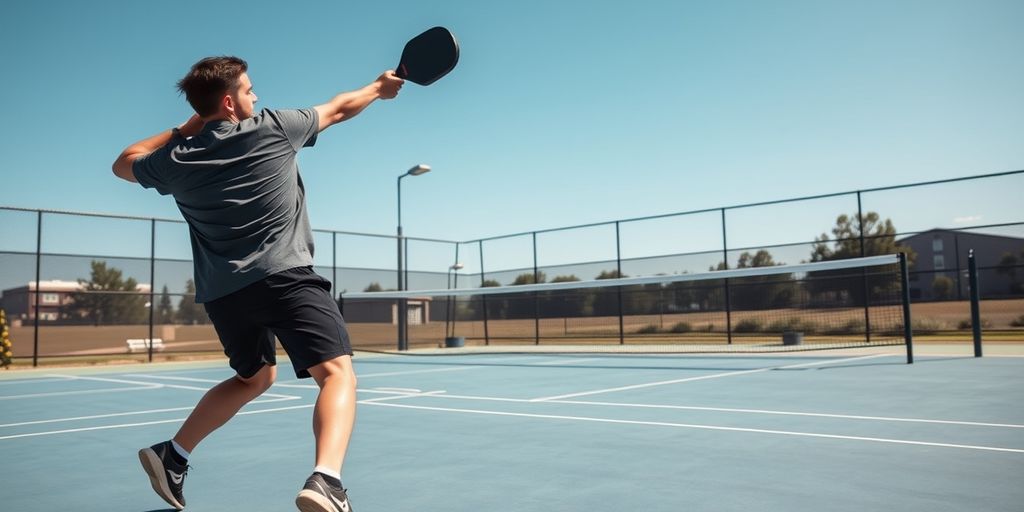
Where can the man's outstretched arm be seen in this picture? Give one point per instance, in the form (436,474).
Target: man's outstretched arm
(349,104)
(123,165)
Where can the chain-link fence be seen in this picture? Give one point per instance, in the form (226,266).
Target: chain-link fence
(83,284)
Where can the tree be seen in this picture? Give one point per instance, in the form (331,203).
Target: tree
(6,353)
(942,287)
(1008,266)
(847,287)
(164,309)
(524,305)
(606,300)
(189,313)
(373,287)
(108,298)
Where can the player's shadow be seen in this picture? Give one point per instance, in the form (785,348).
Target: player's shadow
(162,510)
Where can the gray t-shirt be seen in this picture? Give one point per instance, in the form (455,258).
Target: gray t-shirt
(239,189)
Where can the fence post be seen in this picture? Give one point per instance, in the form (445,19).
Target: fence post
(908,330)
(483,298)
(972,267)
(39,263)
(618,289)
(725,266)
(864,272)
(152,281)
(536,295)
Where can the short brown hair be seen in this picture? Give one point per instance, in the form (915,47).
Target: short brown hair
(208,81)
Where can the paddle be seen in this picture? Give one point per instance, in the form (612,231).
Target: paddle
(428,56)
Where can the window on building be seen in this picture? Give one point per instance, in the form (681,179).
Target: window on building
(939,262)
(50,298)
(936,244)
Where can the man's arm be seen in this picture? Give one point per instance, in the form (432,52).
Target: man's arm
(123,165)
(349,104)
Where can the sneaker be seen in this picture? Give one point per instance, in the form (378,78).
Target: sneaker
(166,475)
(318,496)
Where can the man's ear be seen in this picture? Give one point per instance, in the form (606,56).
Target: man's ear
(228,104)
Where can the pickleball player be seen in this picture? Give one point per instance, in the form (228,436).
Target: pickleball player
(232,172)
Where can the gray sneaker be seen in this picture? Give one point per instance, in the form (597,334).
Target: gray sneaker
(166,476)
(319,496)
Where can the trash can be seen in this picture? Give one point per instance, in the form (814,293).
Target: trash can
(792,338)
(454,341)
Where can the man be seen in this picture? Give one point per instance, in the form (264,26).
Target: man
(234,177)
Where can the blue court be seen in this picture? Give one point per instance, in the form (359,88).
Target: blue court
(534,432)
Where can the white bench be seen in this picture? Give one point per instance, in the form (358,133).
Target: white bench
(142,345)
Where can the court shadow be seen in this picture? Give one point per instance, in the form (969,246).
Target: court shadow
(898,362)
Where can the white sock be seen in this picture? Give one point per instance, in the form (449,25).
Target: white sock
(181,451)
(326,471)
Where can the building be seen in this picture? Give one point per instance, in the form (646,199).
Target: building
(385,310)
(56,300)
(940,268)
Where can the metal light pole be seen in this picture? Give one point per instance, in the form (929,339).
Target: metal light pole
(403,309)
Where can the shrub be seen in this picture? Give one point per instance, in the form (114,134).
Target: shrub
(966,324)
(748,325)
(1018,322)
(681,327)
(927,325)
(648,329)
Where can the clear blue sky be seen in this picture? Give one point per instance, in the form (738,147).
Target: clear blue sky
(559,113)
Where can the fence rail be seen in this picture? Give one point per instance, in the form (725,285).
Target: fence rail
(938,222)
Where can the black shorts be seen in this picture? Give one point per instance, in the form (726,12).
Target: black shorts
(295,306)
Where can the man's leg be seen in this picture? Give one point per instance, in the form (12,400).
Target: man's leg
(335,411)
(166,468)
(333,418)
(221,403)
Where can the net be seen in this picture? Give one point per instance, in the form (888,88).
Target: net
(835,304)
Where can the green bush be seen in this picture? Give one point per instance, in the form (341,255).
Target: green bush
(682,327)
(648,329)
(966,324)
(927,325)
(1018,322)
(748,325)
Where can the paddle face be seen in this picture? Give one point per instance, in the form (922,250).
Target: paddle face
(428,56)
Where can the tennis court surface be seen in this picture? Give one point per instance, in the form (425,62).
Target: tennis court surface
(839,430)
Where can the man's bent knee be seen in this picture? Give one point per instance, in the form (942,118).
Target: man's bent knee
(340,367)
(262,380)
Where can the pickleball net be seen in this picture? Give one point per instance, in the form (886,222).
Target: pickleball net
(834,304)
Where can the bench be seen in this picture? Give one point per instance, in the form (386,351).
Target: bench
(142,345)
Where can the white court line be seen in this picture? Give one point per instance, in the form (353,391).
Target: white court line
(193,379)
(131,382)
(131,413)
(83,392)
(786,413)
(143,424)
(157,422)
(704,377)
(567,361)
(401,396)
(410,372)
(733,410)
(701,427)
(31,381)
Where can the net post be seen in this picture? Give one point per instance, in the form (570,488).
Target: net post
(908,332)
(972,267)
